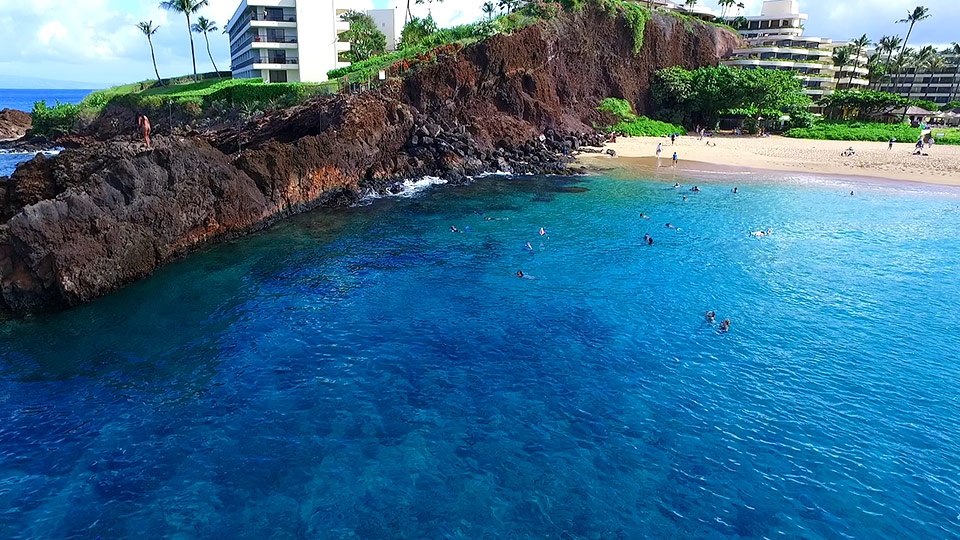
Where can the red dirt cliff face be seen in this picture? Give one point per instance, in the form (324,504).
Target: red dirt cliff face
(82,224)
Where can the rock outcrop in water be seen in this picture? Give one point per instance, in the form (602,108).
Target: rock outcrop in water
(14,124)
(84,223)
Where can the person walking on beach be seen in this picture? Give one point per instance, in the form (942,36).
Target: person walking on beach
(659,149)
(675,159)
(890,144)
(144,124)
(673,138)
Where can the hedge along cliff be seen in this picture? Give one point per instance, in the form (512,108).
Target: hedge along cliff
(82,224)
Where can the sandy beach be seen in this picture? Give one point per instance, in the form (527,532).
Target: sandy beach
(872,159)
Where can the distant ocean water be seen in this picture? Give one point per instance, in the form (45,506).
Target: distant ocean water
(23,100)
(367,373)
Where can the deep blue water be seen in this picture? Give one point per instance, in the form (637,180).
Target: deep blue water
(369,373)
(23,100)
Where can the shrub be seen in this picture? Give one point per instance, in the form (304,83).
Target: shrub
(800,119)
(54,121)
(855,131)
(641,126)
(946,136)
(619,109)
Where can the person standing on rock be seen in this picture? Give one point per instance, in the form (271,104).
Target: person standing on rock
(144,124)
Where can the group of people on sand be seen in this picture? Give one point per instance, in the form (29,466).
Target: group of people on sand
(660,150)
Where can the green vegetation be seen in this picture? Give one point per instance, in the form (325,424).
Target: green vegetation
(623,120)
(704,94)
(949,136)
(193,99)
(54,121)
(366,40)
(856,131)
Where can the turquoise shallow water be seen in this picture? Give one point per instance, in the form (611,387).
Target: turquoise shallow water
(369,373)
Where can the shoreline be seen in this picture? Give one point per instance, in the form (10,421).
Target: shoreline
(873,160)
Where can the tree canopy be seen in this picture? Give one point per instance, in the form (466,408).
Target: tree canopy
(366,40)
(417,30)
(703,94)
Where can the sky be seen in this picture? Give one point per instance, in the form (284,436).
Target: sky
(95,43)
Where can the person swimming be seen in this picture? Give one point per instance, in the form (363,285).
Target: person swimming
(453,228)
(711,316)
(695,189)
(529,246)
(676,186)
(644,216)
(758,234)
(735,190)
(649,240)
(542,231)
(520,273)
(725,325)
(671,226)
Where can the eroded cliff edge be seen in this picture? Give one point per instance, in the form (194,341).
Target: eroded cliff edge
(93,219)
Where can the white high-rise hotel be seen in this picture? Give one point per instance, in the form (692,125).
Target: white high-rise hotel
(775,40)
(293,40)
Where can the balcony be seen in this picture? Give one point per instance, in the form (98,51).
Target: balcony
(274,39)
(273,17)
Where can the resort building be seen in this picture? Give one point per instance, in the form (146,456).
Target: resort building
(775,41)
(940,87)
(286,40)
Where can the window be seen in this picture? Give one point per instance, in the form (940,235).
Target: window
(278,76)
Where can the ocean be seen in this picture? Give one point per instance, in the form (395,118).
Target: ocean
(23,100)
(369,373)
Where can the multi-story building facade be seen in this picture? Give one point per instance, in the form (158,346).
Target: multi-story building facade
(940,87)
(775,41)
(286,40)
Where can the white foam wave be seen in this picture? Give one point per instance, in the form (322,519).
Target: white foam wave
(407,188)
(51,152)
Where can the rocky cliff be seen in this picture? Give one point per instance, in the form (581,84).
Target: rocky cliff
(14,124)
(82,224)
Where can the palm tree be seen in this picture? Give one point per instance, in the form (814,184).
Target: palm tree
(888,44)
(149,30)
(875,70)
(203,26)
(724,6)
(690,4)
(900,63)
(841,58)
(920,62)
(933,64)
(918,14)
(488,9)
(858,44)
(187,7)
